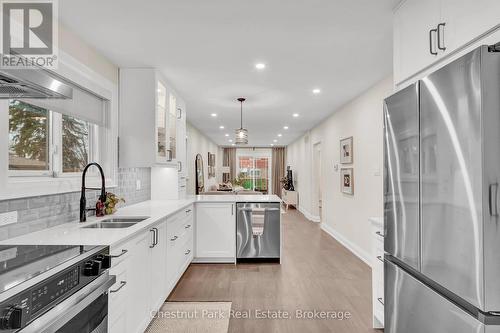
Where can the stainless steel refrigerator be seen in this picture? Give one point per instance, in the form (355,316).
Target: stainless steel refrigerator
(441,200)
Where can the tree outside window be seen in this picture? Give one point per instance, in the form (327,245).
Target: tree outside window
(30,131)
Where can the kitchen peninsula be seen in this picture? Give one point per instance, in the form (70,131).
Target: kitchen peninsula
(149,257)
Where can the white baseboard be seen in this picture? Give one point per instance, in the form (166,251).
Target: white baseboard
(308,215)
(356,250)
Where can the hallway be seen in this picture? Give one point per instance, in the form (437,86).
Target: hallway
(317,273)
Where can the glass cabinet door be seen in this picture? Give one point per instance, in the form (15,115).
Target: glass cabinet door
(172,128)
(161,121)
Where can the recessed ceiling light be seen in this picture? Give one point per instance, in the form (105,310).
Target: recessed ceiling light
(232,144)
(260,66)
(275,140)
(230,140)
(280,135)
(295,115)
(316,91)
(285,127)
(214,114)
(226,134)
(221,127)
(272,144)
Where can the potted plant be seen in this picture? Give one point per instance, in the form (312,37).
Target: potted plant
(112,200)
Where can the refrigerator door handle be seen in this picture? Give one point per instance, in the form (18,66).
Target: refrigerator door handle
(493,199)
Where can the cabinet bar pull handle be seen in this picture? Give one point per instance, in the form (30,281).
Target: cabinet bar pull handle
(188,211)
(380,300)
(431,44)
(380,258)
(188,226)
(187,252)
(440,25)
(179,113)
(174,238)
(179,166)
(122,284)
(154,238)
(380,234)
(119,255)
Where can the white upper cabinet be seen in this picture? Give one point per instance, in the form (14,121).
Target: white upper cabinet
(413,25)
(181,137)
(148,119)
(467,20)
(429,33)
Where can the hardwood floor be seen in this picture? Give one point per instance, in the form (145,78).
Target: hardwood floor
(317,273)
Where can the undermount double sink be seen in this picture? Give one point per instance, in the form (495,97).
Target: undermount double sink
(117,223)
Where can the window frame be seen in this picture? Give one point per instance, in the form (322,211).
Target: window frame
(34,173)
(35,184)
(55,151)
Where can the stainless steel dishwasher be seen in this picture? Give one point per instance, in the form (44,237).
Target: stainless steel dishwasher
(258,231)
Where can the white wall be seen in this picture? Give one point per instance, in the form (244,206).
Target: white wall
(346,216)
(74,46)
(198,143)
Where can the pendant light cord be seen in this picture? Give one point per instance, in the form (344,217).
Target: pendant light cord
(241,115)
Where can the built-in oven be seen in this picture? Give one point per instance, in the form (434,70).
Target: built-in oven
(86,311)
(72,296)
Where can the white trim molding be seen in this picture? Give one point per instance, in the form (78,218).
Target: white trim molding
(356,250)
(83,76)
(308,215)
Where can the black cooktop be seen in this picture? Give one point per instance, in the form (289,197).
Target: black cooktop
(19,263)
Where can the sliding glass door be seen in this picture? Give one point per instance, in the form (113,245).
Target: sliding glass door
(255,172)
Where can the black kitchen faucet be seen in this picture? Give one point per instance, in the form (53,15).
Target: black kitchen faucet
(102,197)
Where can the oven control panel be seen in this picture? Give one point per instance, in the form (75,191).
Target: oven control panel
(19,310)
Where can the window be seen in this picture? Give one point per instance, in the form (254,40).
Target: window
(28,137)
(75,144)
(47,143)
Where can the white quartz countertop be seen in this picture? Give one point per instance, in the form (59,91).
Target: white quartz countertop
(74,233)
(377,220)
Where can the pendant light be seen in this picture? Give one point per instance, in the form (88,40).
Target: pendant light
(241,133)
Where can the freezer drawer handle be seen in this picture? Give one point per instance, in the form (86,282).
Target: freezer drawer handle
(380,258)
(380,300)
(493,200)
(380,234)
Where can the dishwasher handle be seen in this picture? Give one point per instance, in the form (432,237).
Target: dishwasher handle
(259,209)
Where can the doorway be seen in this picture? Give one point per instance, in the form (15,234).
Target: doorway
(317,196)
(254,169)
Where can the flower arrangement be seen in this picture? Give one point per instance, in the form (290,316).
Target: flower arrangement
(112,200)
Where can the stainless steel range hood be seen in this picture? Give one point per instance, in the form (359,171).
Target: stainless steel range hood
(32,83)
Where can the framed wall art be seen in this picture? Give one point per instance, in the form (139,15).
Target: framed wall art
(346,151)
(347,180)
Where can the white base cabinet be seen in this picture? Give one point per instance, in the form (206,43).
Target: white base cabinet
(139,274)
(377,228)
(147,267)
(180,246)
(215,232)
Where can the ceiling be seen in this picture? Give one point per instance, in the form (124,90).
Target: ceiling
(208,51)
